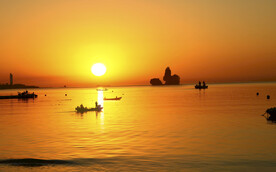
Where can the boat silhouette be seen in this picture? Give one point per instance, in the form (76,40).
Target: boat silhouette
(20,95)
(201,87)
(82,109)
(270,114)
(115,98)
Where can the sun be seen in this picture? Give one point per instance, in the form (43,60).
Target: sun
(98,69)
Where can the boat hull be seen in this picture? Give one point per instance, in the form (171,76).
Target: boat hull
(201,87)
(271,114)
(117,98)
(28,96)
(81,110)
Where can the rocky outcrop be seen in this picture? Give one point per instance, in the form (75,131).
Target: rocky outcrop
(168,78)
(155,81)
(167,75)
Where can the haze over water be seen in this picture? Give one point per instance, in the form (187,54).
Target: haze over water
(170,128)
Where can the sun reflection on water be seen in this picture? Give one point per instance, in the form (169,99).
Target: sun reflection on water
(100,98)
(101,102)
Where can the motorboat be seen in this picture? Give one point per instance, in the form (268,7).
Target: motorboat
(115,98)
(101,89)
(270,114)
(82,109)
(201,86)
(20,95)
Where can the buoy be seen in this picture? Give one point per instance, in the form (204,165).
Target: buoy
(268,96)
(45,95)
(257,93)
(65,94)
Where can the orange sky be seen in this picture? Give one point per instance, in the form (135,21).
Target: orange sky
(55,42)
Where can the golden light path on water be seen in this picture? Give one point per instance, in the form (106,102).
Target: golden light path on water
(101,102)
(100,98)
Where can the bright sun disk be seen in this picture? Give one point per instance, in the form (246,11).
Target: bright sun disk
(98,69)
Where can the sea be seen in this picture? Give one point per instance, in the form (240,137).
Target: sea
(152,128)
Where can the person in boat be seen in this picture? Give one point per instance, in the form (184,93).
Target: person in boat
(96,104)
(99,107)
(81,106)
(199,83)
(24,93)
(204,84)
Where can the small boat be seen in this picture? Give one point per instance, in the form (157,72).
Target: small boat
(20,95)
(82,109)
(101,89)
(201,86)
(270,114)
(115,98)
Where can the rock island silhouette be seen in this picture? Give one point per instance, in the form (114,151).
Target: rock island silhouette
(168,78)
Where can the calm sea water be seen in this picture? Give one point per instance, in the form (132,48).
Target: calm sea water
(174,128)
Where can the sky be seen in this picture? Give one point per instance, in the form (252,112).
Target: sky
(51,43)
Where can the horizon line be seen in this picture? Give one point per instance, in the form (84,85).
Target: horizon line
(211,83)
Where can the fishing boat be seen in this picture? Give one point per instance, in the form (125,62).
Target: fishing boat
(20,95)
(101,89)
(201,86)
(115,98)
(82,109)
(270,114)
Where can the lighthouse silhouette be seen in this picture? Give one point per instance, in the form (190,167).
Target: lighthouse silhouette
(11,79)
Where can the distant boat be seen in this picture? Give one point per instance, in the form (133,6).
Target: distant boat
(82,109)
(101,89)
(20,95)
(115,98)
(270,114)
(201,87)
